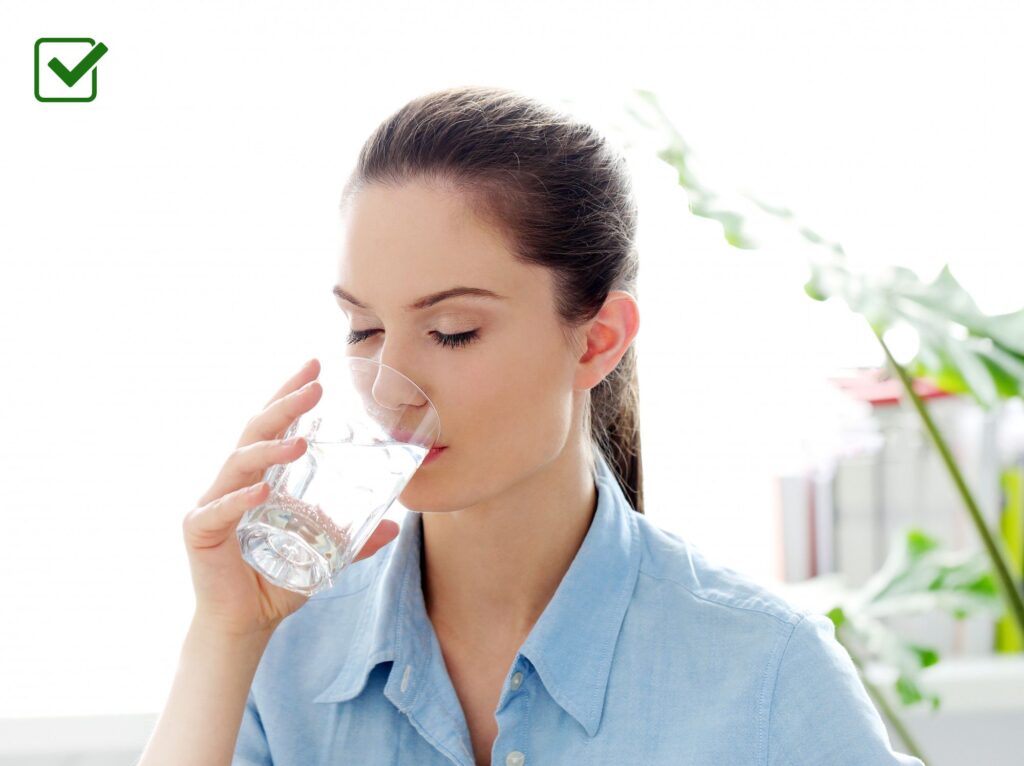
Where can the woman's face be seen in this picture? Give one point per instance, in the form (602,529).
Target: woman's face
(505,390)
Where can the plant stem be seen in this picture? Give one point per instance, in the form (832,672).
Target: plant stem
(883,704)
(1009,588)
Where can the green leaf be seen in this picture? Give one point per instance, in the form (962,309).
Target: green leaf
(926,655)
(942,311)
(974,372)
(1006,369)
(919,542)
(921,576)
(734,213)
(812,290)
(985,584)
(1007,330)
(908,691)
(836,615)
(945,294)
(975,364)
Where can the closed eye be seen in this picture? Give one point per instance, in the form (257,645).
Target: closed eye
(451,341)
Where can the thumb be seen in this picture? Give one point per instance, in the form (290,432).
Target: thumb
(385,532)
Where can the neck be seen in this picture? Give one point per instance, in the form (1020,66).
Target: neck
(489,571)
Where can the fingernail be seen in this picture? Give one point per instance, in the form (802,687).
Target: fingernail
(291,442)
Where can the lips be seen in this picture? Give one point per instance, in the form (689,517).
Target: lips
(433,454)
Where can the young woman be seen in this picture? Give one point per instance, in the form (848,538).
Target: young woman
(527,612)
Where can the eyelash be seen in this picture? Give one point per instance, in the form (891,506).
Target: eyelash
(451,341)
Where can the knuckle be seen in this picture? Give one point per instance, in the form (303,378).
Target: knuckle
(241,454)
(252,422)
(257,424)
(265,430)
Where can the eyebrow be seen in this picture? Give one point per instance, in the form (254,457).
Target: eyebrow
(427,300)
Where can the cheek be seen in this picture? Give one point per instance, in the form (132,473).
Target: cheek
(515,396)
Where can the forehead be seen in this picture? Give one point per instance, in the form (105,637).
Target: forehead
(402,242)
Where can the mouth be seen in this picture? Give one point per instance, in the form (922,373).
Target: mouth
(433,454)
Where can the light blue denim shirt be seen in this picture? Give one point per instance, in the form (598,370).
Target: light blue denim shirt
(647,655)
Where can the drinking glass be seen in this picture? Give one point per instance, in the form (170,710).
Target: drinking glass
(367,436)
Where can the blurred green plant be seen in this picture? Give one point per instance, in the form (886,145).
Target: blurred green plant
(918,576)
(961,350)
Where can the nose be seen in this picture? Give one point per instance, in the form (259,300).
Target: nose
(395,388)
(391,391)
(413,409)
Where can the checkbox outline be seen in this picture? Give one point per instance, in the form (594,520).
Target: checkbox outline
(42,40)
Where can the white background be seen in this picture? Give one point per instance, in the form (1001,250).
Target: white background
(168,251)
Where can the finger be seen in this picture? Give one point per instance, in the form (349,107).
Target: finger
(385,532)
(308,372)
(211,524)
(273,421)
(247,464)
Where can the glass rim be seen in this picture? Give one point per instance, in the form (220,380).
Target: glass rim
(348,361)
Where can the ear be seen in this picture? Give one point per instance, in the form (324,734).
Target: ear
(608,336)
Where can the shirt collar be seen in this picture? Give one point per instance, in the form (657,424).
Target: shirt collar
(571,645)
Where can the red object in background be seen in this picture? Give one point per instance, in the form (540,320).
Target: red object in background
(871,385)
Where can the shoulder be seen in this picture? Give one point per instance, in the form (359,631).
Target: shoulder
(748,643)
(713,626)
(707,642)
(676,565)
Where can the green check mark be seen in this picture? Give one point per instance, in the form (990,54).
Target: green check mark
(71,76)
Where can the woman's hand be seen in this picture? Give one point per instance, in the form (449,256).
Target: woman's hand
(231,596)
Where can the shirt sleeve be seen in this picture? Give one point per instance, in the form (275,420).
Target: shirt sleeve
(251,747)
(820,711)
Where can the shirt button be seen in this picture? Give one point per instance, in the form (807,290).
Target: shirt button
(405,678)
(517,680)
(515,758)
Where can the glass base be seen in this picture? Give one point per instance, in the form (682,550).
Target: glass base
(284,559)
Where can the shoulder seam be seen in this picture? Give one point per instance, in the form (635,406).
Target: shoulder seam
(766,733)
(719,602)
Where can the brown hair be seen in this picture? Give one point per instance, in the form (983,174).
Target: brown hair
(563,199)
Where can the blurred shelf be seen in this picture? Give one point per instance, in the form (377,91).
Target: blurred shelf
(963,684)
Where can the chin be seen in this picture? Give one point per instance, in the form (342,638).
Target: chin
(425,494)
(437,492)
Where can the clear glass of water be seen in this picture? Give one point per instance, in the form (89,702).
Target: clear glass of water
(367,436)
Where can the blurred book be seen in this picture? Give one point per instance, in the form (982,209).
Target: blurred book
(795,526)
(889,477)
(804,504)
